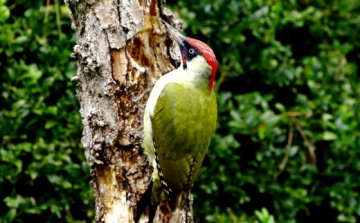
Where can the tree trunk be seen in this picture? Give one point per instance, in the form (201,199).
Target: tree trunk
(118,41)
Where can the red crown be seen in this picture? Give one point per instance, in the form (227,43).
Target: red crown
(209,56)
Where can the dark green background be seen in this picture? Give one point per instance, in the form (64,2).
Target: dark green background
(287,70)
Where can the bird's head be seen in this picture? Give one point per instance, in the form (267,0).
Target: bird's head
(197,57)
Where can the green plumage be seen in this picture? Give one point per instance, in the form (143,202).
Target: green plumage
(183,123)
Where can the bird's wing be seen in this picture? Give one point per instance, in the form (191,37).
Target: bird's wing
(183,123)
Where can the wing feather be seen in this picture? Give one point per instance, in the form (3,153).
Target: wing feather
(183,123)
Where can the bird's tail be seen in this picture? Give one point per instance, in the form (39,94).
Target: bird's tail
(144,202)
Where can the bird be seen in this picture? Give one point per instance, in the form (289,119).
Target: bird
(180,119)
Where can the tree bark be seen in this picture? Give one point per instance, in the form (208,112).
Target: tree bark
(118,41)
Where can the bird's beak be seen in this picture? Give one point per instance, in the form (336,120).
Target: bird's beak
(175,34)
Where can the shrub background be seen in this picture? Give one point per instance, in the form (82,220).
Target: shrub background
(287,145)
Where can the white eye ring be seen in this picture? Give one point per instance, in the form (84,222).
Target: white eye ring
(191,51)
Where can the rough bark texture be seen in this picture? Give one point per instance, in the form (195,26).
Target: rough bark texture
(117,42)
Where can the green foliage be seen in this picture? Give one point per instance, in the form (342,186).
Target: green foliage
(288,135)
(264,216)
(43,174)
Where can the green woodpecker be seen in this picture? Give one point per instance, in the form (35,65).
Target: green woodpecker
(179,120)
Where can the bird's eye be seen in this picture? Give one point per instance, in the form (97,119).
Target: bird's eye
(191,51)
